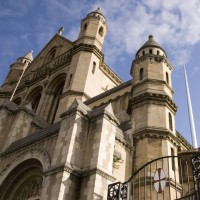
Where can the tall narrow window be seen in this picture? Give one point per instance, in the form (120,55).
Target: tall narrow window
(143,52)
(170,122)
(150,51)
(70,79)
(55,103)
(141,74)
(167,78)
(173,161)
(35,102)
(93,67)
(34,98)
(101,32)
(51,54)
(158,52)
(85,27)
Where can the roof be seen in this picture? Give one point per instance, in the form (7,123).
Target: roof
(33,138)
(98,10)
(151,43)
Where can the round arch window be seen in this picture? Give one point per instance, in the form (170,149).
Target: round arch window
(101,31)
(23,182)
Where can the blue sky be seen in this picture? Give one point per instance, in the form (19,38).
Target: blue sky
(30,24)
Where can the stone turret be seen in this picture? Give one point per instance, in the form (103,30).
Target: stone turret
(151,105)
(15,72)
(93,29)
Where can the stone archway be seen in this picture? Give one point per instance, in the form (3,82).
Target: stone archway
(24,182)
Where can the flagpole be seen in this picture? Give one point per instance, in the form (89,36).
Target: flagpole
(192,126)
(11,98)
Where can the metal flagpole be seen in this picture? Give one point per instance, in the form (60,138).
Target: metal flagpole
(192,126)
(24,69)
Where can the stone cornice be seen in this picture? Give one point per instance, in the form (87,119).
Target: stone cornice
(154,81)
(107,71)
(99,172)
(80,173)
(87,47)
(148,97)
(159,133)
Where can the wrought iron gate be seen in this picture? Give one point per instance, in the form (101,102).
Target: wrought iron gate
(169,177)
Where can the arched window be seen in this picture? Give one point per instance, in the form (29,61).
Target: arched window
(51,54)
(55,102)
(150,51)
(24,181)
(35,102)
(85,27)
(143,52)
(158,52)
(17,100)
(93,67)
(167,78)
(53,93)
(70,80)
(101,32)
(141,74)
(34,98)
(170,122)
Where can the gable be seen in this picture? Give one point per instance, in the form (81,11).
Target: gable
(53,49)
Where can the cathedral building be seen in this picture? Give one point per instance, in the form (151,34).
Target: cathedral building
(69,126)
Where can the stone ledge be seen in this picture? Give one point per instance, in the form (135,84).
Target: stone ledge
(79,173)
(156,133)
(147,97)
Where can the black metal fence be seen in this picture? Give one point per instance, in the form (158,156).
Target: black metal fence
(166,178)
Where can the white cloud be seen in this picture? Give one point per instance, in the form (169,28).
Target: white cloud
(174,23)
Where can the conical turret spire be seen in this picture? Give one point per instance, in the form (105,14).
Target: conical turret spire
(29,55)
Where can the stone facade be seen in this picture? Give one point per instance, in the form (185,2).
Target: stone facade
(72,126)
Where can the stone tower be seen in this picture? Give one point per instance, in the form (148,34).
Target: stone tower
(87,71)
(151,106)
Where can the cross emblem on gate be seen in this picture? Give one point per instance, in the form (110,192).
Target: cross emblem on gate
(159,180)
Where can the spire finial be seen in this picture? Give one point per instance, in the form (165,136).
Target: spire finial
(150,36)
(98,10)
(60,30)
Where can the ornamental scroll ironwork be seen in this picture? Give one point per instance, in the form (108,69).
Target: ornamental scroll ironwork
(196,174)
(140,184)
(118,191)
